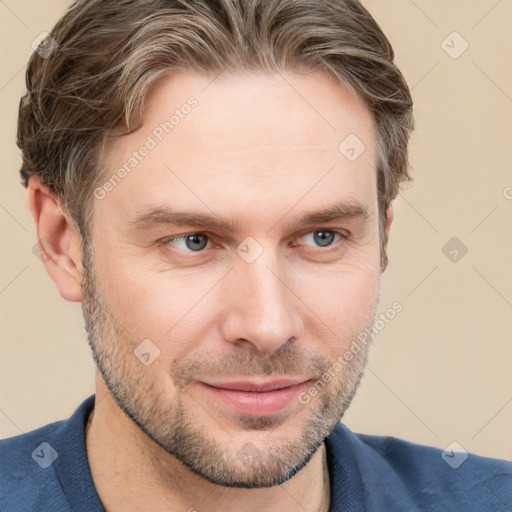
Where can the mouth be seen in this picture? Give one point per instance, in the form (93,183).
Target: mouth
(255,398)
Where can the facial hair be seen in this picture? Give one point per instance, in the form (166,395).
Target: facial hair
(140,391)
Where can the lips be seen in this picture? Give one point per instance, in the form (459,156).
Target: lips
(255,398)
(256,387)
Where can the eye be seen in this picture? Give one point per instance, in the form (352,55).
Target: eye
(323,237)
(193,242)
(197,242)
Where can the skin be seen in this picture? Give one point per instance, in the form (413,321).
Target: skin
(260,150)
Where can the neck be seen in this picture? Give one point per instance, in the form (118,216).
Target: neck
(132,472)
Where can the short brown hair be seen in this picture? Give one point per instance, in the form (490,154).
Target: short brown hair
(91,88)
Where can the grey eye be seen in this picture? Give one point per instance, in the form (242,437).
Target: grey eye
(322,238)
(194,242)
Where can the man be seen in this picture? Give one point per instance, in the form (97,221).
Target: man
(214,181)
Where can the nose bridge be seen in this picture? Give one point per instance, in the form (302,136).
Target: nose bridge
(262,310)
(267,295)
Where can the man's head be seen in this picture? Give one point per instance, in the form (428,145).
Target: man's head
(282,128)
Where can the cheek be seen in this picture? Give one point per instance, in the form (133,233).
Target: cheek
(343,301)
(164,307)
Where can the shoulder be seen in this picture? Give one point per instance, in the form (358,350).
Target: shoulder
(47,468)
(27,475)
(424,477)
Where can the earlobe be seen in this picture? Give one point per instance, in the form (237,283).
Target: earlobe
(59,242)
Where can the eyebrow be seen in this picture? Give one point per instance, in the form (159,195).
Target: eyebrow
(165,215)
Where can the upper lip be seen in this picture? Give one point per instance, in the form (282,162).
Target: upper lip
(255,386)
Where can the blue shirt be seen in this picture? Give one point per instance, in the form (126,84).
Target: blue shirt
(47,470)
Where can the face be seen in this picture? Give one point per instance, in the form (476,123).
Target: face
(239,250)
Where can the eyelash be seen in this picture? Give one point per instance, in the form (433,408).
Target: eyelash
(331,247)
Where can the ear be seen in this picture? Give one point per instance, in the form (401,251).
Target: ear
(390,215)
(389,220)
(60,243)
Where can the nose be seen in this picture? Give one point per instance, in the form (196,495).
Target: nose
(261,310)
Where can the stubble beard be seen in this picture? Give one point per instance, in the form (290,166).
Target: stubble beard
(139,394)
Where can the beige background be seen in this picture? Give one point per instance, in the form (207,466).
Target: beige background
(441,370)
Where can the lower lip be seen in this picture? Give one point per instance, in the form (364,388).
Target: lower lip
(256,404)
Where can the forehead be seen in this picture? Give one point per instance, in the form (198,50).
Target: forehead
(256,109)
(244,139)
